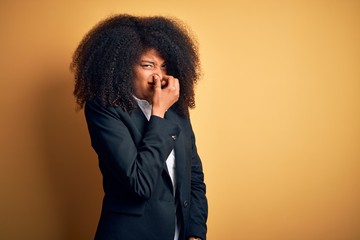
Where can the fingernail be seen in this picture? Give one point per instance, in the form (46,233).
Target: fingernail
(156,76)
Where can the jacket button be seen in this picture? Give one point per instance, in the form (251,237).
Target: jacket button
(185,203)
(173,137)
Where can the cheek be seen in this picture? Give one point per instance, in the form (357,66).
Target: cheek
(141,86)
(142,77)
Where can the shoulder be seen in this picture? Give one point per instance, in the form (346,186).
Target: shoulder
(95,107)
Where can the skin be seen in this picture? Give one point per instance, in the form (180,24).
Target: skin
(151,82)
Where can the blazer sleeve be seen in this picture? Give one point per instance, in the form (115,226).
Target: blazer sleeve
(135,166)
(198,203)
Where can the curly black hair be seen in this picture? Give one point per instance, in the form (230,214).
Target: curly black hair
(104,60)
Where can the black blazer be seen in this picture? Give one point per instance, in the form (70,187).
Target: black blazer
(139,202)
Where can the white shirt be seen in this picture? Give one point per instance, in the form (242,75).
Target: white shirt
(146,108)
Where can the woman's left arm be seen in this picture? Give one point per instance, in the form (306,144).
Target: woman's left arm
(198,203)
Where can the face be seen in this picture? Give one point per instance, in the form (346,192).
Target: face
(149,66)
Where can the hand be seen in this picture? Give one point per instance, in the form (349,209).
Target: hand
(166,93)
(194,238)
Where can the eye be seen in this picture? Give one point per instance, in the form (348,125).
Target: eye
(147,65)
(164,66)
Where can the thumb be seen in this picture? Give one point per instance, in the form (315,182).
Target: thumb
(157,82)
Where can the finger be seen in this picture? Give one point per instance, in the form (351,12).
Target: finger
(177,87)
(165,80)
(170,80)
(177,83)
(163,83)
(157,82)
(166,77)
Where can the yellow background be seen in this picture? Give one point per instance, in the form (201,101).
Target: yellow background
(277,118)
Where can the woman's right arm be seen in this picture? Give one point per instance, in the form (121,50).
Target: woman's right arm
(136,166)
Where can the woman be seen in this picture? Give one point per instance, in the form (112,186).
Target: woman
(135,77)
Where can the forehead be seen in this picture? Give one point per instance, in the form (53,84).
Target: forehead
(151,55)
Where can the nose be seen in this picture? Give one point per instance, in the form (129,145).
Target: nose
(158,72)
(157,76)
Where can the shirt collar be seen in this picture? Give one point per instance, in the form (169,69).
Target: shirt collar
(145,106)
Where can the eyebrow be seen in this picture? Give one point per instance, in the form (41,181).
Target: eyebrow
(147,61)
(152,62)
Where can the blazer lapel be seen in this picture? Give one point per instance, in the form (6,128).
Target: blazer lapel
(180,153)
(139,120)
